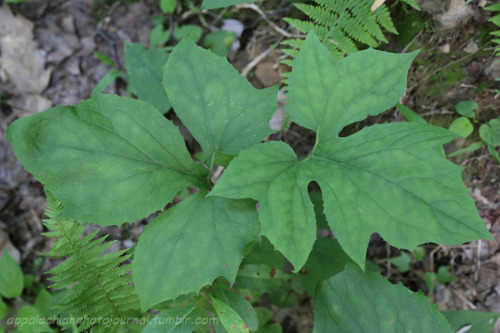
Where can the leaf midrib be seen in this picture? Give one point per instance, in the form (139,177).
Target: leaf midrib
(123,156)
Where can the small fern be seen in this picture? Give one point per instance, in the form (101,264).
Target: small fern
(343,24)
(101,295)
(495,20)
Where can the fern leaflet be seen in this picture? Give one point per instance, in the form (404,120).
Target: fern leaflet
(495,20)
(101,296)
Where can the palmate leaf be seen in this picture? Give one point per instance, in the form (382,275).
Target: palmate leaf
(202,238)
(107,159)
(354,301)
(388,178)
(114,160)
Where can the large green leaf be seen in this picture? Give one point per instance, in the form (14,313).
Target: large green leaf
(211,4)
(174,320)
(218,105)
(190,245)
(29,320)
(109,160)
(229,318)
(325,95)
(259,278)
(264,252)
(239,304)
(472,321)
(490,132)
(354,301)
(145,70)
(11,277)
(4,310)
(387,178)
(325,260)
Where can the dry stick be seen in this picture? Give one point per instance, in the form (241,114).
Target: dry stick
(255,61)
(433,113)
(412,41)
(259,11)
(466,301)
(431,255)
(478,260)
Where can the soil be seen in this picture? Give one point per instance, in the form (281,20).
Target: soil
(60,38)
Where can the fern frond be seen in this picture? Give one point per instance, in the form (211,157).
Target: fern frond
(495,20)
(100,295)
(349,19)
(285,121)
(383,18)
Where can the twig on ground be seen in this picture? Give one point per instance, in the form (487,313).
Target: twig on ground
(478,260)
(466,301)
(255,61)
(255,8)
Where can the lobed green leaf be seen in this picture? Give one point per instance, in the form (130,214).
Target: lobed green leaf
(178,320)
(354,301)
(145,70)
(239,304)
(190,245)
(393,165)
(220,107)
(326,95)
(471,321)
(11,277)
(108,159)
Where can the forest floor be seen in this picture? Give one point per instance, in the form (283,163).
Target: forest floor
(51,61)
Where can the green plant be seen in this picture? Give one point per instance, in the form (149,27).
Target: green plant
(11,277)
(92,275)
(111,160)
(219,41)
(19,309)
(496,21)
(488,132)
(211,4)
(343,24)
(111,76)
(462,126)
(144,68)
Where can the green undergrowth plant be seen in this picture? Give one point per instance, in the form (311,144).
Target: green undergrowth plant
(112,160)
(113,74)
(489,132)
(496,21)
(93,276)
(25,304)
